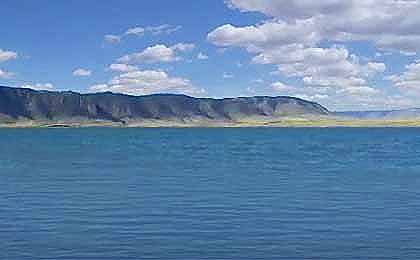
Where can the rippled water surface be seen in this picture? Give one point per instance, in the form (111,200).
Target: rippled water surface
(209,194)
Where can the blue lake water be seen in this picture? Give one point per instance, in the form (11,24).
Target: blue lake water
(209,194)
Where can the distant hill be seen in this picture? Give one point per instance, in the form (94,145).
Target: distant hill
(412,113)
(27,104)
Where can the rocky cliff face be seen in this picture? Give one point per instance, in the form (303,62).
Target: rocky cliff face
(27,104)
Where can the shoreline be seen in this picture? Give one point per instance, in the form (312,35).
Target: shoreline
(297,123)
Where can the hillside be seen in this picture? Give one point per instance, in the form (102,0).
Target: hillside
(18,104)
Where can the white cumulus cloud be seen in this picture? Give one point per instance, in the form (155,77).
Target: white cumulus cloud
(156,54)
(306,41)
(389,24)
(121,67)
(281,87)
(143,82)
(409,79)
(82,72)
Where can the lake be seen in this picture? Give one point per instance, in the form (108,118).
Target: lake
(252,193)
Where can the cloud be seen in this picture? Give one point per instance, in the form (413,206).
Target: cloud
(314,97)
(138,31)
(143,82)
(265,35)
(183,47)
(375,67)
(7,55)
(292,9)
(305,40)
(292,48)
(5,74)
(82,72)
(153,54)
(202,56)
(295,53)
(359,90)
(409,79)
(365,97)
(110,38)
(332,67)
(142,31)
(154,30)
(40,86)
(163,29)
(120,67)
(156,54)
(389,24)
(281,87)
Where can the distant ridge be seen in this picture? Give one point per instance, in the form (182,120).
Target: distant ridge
(27,104)
(410,113)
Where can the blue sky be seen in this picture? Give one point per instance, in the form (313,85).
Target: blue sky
(217,48)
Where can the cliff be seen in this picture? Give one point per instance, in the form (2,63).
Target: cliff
(17,104)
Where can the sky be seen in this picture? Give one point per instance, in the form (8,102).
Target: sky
(344,54)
